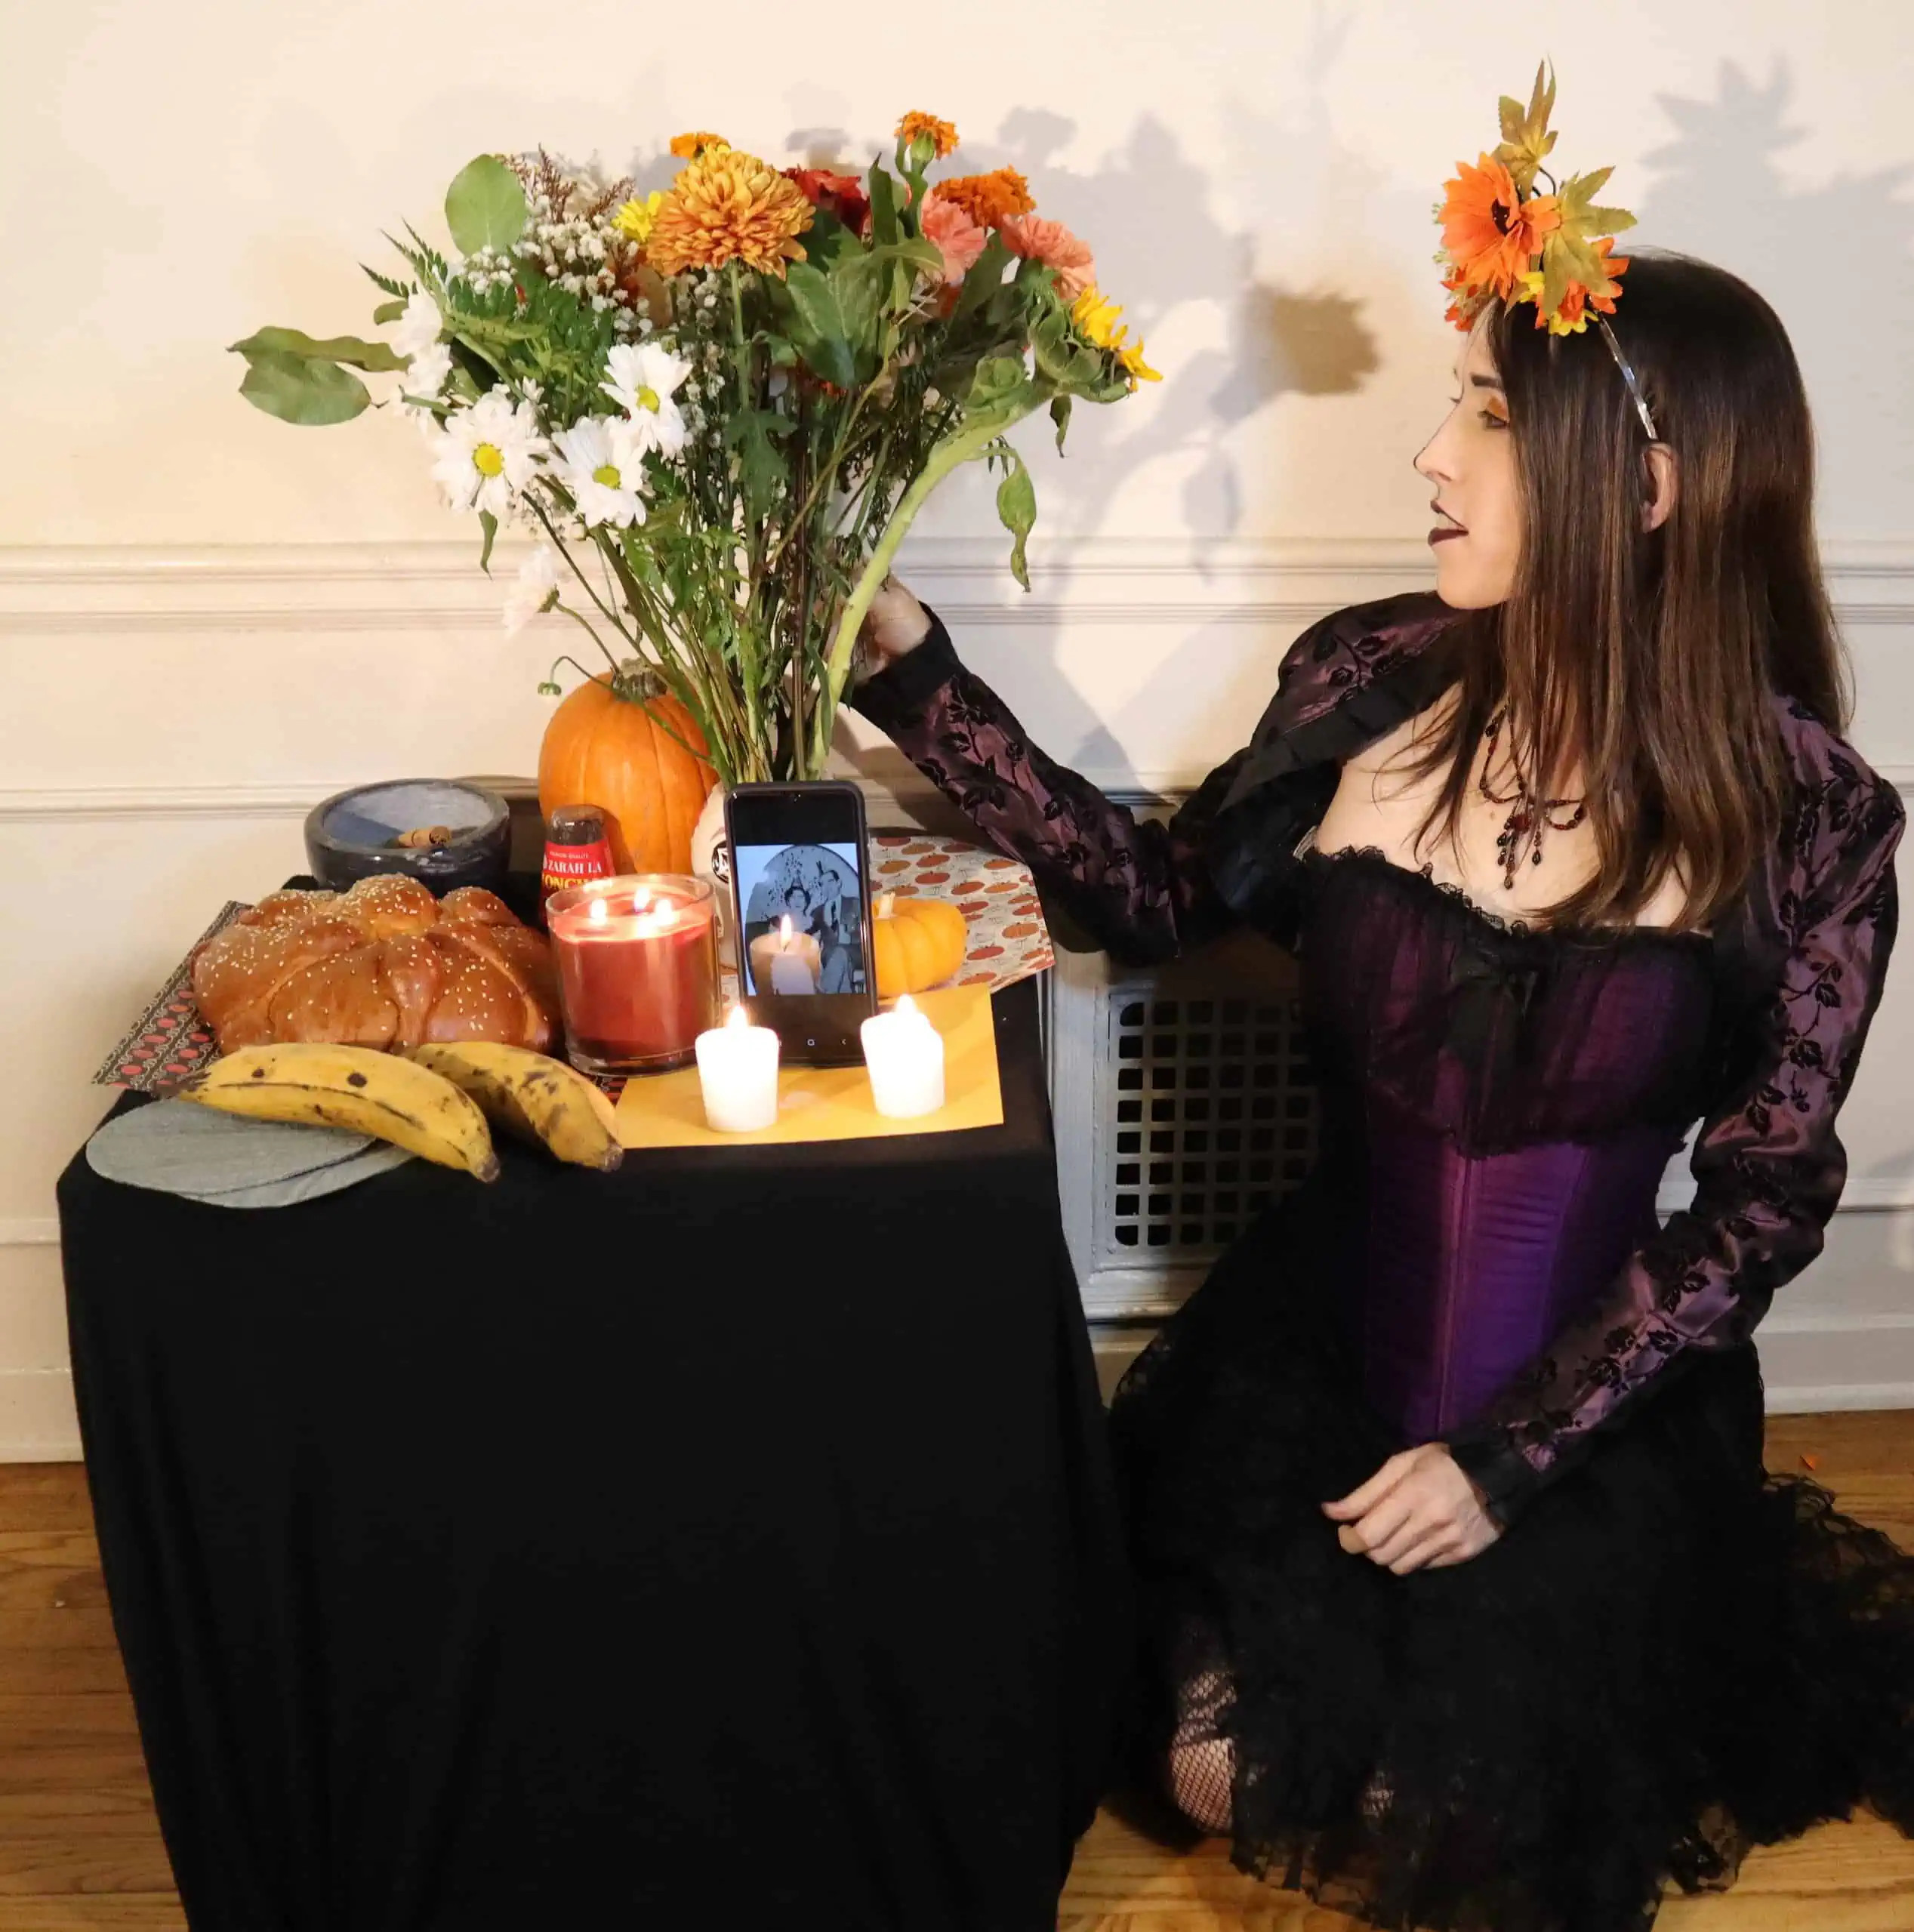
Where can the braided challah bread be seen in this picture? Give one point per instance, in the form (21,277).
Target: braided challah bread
(384,965)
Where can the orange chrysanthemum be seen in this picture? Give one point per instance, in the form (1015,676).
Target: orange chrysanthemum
(689,147)
(729,206)
(942,135)
(990,200)
(1491,233)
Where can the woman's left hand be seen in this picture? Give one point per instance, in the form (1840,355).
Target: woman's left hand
(1418,1510)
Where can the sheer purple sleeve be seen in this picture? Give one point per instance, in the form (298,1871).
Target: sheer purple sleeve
(1768,1164)
(1141,889)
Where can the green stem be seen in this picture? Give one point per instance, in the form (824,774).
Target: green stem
(966,446)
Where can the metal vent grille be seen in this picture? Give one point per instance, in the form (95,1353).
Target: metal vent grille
(1214,1115)
(1186,1104)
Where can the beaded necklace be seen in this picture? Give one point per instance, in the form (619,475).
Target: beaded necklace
(1528,817)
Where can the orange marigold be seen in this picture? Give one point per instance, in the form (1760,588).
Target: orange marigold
(729,206)
(689,147)
(942,135)
(1491,234)
(989,199)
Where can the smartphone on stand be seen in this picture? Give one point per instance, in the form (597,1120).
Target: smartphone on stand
(801,909)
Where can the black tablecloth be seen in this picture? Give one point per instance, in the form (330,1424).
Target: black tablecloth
(728,1536)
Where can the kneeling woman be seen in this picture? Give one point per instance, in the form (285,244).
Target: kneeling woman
(1469,1602)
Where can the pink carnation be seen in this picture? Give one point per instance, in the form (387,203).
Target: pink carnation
(959,238)
(1052,244)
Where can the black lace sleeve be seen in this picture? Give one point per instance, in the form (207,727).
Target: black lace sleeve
(1144,890)
(1140,889)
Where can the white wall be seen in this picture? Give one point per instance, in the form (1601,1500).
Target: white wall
(208,619)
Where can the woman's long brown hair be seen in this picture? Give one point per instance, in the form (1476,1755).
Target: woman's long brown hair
(1652,657)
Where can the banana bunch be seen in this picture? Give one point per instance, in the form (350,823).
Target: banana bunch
(532,1096)
(357,1088)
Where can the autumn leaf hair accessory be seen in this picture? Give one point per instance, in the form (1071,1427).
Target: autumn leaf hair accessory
(1503,239)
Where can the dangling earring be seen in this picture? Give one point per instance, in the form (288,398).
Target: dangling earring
(1528,818)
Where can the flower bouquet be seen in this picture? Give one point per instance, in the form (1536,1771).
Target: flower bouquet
(720,406)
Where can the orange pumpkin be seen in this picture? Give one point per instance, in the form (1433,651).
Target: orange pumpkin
(916,943)
(602,747)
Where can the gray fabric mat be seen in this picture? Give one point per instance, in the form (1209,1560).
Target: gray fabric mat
(178,1148)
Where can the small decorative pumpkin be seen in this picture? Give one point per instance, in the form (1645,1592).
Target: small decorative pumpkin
(626,745)
(915,942)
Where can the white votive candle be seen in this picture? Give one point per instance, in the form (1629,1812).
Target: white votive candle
(905,1054)
(737,1069)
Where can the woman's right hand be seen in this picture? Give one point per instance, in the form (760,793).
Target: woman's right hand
(895,625)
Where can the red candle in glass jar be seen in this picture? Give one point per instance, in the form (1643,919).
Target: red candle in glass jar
(637,969)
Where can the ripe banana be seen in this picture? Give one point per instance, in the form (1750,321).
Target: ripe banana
(532,1095)
(354,1087)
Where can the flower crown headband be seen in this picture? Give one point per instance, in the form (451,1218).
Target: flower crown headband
(1501,238)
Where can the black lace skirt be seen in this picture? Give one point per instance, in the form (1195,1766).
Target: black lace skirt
(1671,1655)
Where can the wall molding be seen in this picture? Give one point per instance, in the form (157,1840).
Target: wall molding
(41,1231)
(130,590)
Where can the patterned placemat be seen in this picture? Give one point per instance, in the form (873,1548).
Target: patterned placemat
(1009,942)
(171,1038)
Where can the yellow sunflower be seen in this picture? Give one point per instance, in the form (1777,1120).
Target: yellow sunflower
(1095,317)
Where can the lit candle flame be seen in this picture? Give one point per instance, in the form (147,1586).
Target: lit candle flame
(739,1021)
(906,1004)
(641,899)
(598,914)
(784,933)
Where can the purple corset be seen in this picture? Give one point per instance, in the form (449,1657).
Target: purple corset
(1499,1106)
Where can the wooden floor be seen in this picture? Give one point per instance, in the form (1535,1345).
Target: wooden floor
(79,1847)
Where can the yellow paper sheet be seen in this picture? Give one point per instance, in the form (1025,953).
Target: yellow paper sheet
(834,1103)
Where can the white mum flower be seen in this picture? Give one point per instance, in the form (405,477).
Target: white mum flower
(535,589)
(418,328)
(602,460)
(484,454)
(424,377)
(641,377)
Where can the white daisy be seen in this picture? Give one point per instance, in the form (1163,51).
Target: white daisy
(602,460)
(418,327)
(486,454)
(535,589)
(641,377)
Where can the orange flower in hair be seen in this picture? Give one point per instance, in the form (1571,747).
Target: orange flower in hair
(1501,239)
(1490,232)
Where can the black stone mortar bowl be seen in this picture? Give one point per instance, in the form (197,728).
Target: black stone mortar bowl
(352,835)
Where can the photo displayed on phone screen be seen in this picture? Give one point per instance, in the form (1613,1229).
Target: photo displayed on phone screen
(803,917)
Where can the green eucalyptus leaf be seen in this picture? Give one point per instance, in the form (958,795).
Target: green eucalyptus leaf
(489,530)
(353,349)
(485,206)
(1016,508)
(299,389)
(821,333)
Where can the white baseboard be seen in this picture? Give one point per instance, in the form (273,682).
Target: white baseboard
(37,1421)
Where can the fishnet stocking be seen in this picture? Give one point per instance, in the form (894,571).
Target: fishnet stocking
(1201,1765)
